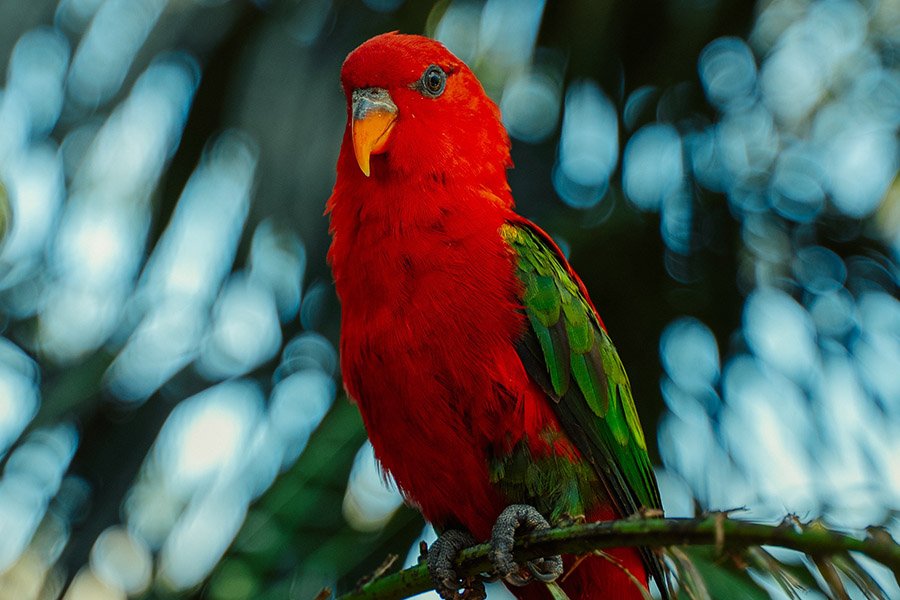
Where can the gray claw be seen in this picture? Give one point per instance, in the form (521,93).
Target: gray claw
(514,517)
(440,558)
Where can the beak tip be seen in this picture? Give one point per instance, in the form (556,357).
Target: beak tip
(364,166)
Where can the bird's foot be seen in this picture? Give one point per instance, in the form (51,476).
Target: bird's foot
(440,558)
(512,519)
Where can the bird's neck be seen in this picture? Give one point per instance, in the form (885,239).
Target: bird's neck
(384,235)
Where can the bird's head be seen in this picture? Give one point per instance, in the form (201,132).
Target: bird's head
(414,107)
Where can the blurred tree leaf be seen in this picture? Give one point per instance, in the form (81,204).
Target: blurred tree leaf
(6,214)
(296,532)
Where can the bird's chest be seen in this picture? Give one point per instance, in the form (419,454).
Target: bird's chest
(427,344)
(424,310)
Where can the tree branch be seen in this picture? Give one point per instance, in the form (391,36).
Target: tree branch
(714,530)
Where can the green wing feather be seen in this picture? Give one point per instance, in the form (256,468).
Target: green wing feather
(570,355)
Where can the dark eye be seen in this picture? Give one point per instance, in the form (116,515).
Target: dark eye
(433,81)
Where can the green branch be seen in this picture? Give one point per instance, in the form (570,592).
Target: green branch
(716,530)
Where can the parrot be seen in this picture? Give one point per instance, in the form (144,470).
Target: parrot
(487,383)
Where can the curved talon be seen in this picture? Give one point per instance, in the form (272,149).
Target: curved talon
(518,578)
(474,589)
(526,517)
(546,569)
(440,558)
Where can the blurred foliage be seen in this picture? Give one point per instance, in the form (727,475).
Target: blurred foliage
(723,176)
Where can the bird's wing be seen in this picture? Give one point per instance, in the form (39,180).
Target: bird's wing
(567,351)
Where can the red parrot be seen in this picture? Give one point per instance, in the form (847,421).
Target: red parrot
(487,382)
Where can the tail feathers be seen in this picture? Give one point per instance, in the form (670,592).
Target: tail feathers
(617,574)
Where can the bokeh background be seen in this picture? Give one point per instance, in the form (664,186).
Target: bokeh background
(722,174)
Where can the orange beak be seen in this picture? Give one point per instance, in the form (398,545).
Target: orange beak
(373,114)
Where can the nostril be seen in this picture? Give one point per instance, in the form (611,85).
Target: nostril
(376,94)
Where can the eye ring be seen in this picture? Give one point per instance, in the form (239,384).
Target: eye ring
(433,81)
